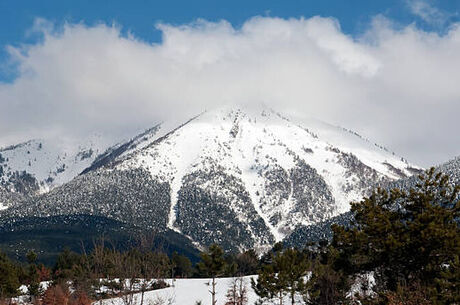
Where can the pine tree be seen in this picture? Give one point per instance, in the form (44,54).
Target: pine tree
(269,284)
(406,237)
(326,286)
(9,281)
(33,277)
(182,266)
(449,281)
(284,275)
(212,264)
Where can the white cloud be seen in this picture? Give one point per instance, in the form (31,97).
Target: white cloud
(397,87)
(427,12)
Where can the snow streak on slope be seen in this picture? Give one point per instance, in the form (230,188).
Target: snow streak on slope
(288,173)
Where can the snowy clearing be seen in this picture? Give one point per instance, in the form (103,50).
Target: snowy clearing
(186,292)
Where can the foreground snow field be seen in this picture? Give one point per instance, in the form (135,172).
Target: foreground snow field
(186,292)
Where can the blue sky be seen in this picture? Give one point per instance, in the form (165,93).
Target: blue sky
(139,16)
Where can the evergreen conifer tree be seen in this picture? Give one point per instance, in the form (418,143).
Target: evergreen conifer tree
(212,264)
(407,238)
(285,275)
(9,281)
(33,277)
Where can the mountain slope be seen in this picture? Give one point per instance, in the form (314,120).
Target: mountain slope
(50,235)
(322,231)
(37,166)
(238,177)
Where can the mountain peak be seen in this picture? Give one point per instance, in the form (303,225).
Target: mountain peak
(240,176)
(267,155)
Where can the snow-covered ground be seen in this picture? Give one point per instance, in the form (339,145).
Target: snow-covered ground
(180,292)
(43,286)
(186,292)
(191,291)
(24,298)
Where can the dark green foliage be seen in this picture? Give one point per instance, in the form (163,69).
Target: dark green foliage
(128,196)
(326,286)
(212,262)
(182,266)
(285,275)
(406,237)
(68,265)
(31,257)
(9,279)
(303,235)
(247,262)
(449,281)
(50,235)
(33,278)
(212,265)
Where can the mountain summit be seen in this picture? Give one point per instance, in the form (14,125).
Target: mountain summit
(239,177)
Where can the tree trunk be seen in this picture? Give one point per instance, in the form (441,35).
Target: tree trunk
(241,296)
(213,292)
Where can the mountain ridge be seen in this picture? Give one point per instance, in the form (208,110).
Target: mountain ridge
(235,176)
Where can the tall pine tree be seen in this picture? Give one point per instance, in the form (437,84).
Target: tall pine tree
(212,264)
(9,281)
(285,275)
(407,238)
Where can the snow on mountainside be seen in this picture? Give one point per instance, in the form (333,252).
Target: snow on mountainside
(36,166)
(292,175)
(239,177)
(452,168)
(322,231)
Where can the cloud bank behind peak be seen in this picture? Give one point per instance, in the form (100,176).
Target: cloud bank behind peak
(397,86)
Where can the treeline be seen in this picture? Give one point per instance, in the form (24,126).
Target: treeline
(402,248)
(106,272)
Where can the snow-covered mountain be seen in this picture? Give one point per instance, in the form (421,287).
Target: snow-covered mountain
(37,166)
(304,234)
(239,177)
